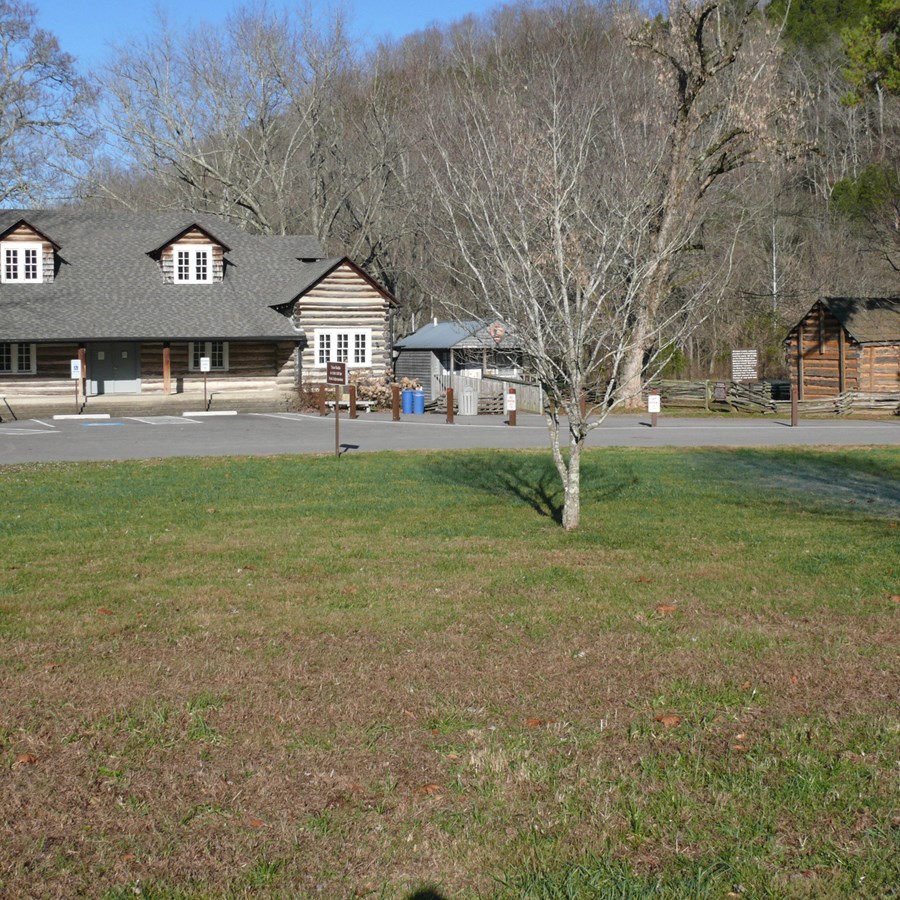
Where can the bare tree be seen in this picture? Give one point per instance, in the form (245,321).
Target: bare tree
(43,109)
(549,214)
(717,96)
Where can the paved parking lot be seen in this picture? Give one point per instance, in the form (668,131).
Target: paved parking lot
(256,434)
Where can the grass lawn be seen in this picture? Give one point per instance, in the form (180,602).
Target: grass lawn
(310,677)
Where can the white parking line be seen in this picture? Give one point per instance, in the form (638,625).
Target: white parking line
(163,420)
(13,432)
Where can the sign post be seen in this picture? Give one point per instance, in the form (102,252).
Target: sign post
(653,407)
(204,368)
(75,375)
(511,406)
(336,374)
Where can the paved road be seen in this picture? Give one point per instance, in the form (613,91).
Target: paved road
(47,440)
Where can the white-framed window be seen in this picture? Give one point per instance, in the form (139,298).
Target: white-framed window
(347,345)
(217,351)
(192,264)
(17,359)
(22,262)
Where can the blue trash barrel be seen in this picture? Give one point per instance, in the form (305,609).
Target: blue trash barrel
(406,400)
(419,402)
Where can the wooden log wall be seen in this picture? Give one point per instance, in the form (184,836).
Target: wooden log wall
(824,360)
(51,376)
(880,368)
(345,300)
(252,365)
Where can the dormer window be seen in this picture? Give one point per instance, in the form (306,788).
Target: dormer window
(193,264)
(21,262)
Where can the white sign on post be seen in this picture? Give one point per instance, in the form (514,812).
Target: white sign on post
(75,368)
(653,403)
(510,401)
(204,363)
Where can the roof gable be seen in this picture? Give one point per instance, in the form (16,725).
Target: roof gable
(23,223)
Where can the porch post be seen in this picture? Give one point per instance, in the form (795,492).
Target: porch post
(82,358)
(167,368)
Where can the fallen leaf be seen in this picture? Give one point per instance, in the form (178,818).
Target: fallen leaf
(669,720)
(253,822)
(533,723)
(740,737)
(430,789)
(643,579)
(211,509)
(408,714)
(666,609)
(26,759)
(128,857)
(740,748)
(247,569)
(452,756)
(896,598)
(355,788)
(103,611)
(351,589)
(51,666)
(795,679)
(746,686)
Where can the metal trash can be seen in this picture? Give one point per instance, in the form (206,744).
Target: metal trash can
(406,399)
(468,402)
(418,403)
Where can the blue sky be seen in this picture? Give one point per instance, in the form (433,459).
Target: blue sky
(85,28)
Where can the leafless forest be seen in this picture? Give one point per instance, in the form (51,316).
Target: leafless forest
(692,176)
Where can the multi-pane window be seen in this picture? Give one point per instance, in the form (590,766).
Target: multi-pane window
(22,262)
(193,265)
(216,351)
(323,353)
(347,345)
(17,359)
(360,348)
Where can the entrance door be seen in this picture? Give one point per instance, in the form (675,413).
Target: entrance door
(113,368)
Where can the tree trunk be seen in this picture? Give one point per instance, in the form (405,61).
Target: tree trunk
(569,472)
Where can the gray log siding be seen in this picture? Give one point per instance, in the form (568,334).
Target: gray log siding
(344,300)
(419,365)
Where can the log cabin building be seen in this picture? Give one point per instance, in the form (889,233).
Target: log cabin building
(846,344)
(142,298)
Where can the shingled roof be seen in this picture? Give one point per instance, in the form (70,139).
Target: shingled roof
(868,320)
(108,286)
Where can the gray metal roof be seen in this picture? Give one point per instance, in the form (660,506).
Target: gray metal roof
(107,287)
(868,320)
(469,334)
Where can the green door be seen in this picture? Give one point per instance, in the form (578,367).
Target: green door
(113,368)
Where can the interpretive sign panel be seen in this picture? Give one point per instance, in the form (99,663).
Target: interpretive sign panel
(336,373)
(744,365)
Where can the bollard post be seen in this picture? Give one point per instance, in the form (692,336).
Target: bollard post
(323,409)
(450,406)
(395,401)
(511,406)
(795,406)
(351,391)
(653,406)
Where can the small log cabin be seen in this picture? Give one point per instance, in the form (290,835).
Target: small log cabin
(141,298)
(846,344)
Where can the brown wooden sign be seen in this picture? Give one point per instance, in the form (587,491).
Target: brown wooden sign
(336,373)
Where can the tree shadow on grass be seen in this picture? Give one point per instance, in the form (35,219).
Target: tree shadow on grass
(529,478)
(824,482)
